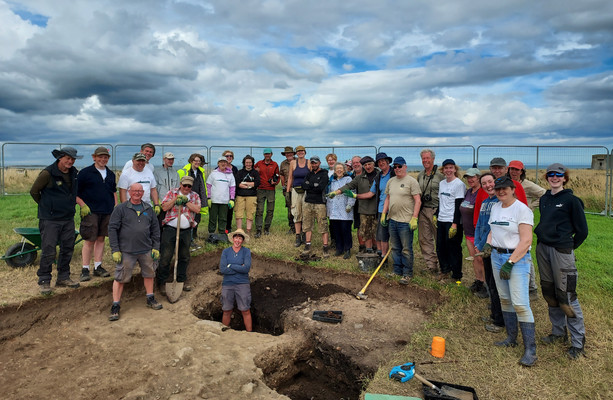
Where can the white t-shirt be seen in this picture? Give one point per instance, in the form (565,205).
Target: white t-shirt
(145,178)
(448,192)
(505,222)
(129,164)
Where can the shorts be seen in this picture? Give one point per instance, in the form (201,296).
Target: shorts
(383,233)
(368,226)
(297,205)
(123,271)
(312,213)
(94,225)
(239,293)
(470,239)
(245,205)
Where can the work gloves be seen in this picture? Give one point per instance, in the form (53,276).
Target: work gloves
(383,220)
(413,223)
(181,200)
(155,254)
(452,232)
(434,219)
(157,210)
(331,195)
(505,270)
(117,257)
(85,211)
(231,204)
(349,193)
(486,250)
(210,202)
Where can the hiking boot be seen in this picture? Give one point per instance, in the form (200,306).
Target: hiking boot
(266,232)
(45,288)
(291,231)
(114,312)
(298,240)
(187,288)
(475,286)
(361,249)
(325,251)
(347,255)
(487,319)
(85,275)
(101,272)
(303,237)
(67,283)
(405,280)
(152,303)
(551,339)
(494,328)
(482,292)
(443,277)
(338,253)
(258,234)
(575,352)
(307,248)
(370,251)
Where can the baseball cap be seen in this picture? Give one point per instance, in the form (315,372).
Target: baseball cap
(472,172)
(516,164)
(503,182)
(222,159)
(448,161)
(399,160)
(556,167)
(187,179)
(366,159)
(101,151)
(139,157)
(498,162)
(267,150)
(315,158)
(168,154)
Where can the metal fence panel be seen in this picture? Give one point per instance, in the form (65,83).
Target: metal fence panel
(590,178)
(125,152)
(22,161)
(464,155)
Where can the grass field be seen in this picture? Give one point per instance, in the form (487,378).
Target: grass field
(470,358)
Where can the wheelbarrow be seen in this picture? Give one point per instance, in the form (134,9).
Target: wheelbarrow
(25,252)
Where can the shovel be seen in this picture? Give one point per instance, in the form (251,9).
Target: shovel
(174,288)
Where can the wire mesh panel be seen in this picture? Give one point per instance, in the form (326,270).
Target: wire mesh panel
(589,169)
(22,162)
(464,156)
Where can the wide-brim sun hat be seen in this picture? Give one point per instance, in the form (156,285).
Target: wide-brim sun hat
(238,231)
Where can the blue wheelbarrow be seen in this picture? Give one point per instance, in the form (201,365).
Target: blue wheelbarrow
(25,252)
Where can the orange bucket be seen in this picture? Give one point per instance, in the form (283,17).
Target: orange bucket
(438,347)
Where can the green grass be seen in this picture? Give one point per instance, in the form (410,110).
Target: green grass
(471,359)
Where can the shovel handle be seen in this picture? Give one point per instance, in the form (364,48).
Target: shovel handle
(425,381)
(177,243)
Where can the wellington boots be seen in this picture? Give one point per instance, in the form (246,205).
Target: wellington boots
(527,334)
(510,322)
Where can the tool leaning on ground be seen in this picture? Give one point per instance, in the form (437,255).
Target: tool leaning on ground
(174,288)
(405,372)
(361,295)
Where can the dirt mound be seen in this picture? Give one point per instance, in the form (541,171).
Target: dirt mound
(65,347)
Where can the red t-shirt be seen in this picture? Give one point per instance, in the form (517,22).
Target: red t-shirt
(266,172)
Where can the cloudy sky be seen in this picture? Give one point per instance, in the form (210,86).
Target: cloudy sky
(319,72)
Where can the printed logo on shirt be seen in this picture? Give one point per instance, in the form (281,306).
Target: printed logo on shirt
(501,223)
(145,182)
(560,205)
(444,194)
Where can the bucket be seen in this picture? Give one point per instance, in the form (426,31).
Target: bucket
(438,347)
(368,262)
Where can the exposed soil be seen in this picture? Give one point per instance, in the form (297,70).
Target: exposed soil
(65,347)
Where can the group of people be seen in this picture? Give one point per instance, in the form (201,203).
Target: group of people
(376,196)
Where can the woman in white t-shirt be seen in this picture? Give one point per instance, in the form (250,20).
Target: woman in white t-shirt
(509,242)
(449,228)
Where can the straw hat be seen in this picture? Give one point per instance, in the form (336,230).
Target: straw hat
(238,232)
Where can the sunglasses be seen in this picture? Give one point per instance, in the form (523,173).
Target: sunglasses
(229,156)
(552,174)
(396,166)
(187,186)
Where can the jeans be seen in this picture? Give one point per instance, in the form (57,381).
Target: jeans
(514,294)
(401,241)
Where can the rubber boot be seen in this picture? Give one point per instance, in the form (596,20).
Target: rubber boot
(527,334)
(510,322)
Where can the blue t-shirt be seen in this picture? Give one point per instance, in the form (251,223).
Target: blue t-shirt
(382,183)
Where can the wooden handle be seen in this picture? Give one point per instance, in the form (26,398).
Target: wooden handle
(424,381)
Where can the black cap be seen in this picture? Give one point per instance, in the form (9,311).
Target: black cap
(366,159)
(448,161)
(503,182)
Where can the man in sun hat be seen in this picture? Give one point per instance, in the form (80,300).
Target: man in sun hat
(269,178)
(234,266)
(289,154)
(97,196)
(55,192)
(188,202)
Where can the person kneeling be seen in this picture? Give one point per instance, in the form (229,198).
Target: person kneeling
(234,265)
